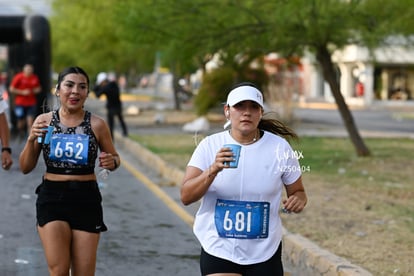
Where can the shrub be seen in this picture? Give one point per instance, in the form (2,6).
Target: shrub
(214,89)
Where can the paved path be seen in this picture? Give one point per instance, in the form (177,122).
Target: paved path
(146,237)
(143,227)
(310,119)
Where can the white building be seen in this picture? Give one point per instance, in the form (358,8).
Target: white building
(387,75)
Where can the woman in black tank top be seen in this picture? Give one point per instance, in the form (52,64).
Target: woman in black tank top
(68,207)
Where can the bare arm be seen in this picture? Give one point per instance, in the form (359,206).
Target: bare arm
(16,91)
(297,198)
(6,160)
(31,151)
(37,89)
(4,131)
(24,92)
(110,159)
(196,182)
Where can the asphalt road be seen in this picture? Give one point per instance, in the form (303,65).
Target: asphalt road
(371,122)
(145,236)
(395,119)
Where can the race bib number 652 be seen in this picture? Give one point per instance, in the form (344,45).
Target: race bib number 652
(71,148)
(242,219)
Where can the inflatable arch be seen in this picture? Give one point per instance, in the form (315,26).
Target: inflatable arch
(28,40)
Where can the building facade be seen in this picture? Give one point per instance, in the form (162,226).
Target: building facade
(385,75)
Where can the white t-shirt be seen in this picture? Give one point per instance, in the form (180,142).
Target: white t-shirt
(264,167)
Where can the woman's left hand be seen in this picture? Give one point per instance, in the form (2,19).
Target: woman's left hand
(296,202)
(6,160)
(297,198)
(107,161)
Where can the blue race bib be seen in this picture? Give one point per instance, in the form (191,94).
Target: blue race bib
(70,148)
(242,219)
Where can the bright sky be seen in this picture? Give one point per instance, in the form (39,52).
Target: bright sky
(21,7)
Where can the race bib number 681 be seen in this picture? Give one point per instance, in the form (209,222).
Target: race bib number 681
(242,219)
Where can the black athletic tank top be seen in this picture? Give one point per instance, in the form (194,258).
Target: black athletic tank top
(71,150)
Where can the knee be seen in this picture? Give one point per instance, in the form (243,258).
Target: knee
(59,270)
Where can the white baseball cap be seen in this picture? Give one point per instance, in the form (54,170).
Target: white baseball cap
(245,93)
(101,77)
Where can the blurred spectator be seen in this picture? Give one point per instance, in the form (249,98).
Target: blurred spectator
(25,85)
(107,85)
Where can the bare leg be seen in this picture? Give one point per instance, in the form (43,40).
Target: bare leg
(56,237)
(84,249)
(63,246)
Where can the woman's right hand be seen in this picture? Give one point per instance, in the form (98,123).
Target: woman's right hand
(39,129)
(223,157)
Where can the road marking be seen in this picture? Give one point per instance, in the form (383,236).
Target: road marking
(174,206)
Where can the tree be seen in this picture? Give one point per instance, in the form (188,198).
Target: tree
(322,26)
(288,27)
(87,34)
(185,31)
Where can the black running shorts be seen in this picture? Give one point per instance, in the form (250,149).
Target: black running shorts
(79,203)
(273,267)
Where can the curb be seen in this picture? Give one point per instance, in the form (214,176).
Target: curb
(300,255)
(303,257)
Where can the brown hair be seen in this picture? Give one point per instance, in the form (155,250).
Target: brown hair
(71,70)
(273,125)
(269,121)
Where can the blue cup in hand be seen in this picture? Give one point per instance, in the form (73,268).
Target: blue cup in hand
(46,137)
(236,154)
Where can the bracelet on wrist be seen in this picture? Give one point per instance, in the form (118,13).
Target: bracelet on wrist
(9,150)
(116,165)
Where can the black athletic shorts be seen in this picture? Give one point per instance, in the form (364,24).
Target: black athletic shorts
(79,203)
(272,267)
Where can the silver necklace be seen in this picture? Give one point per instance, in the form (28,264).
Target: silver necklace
(248,143)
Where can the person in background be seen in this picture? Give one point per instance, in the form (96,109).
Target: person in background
(238,222)
(109,87)
(69,203)
(25,85)
(6,158)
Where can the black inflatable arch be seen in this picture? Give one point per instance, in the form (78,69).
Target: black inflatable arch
(28,40)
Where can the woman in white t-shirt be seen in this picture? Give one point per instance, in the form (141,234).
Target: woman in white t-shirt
(238,223)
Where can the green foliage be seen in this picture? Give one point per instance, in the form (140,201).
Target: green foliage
(331,159)
(217,83)
(87,34)
(125,35)
(214,89)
